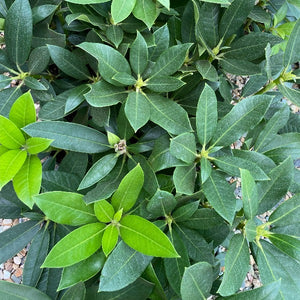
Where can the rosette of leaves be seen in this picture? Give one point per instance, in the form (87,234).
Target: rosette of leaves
(138,188)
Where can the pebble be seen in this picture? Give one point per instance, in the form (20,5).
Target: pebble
(7,222)
(16,279)
(18,272)
(6,275)
(17,260)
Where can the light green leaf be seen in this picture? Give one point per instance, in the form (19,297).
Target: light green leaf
(27,182)
(165,3)
(18,31)
(234,17)
(109,239)
(232,165)
(115,34)
(220,195)
(139,54)
(292,50)
(137,110)
(98,170)
(197,281)
(272,191)
(146,11)
(36,145)
(10,135)
(104,211)
(207,70)
(275,265)
(161,204)
(69,136)
(143,236)
(78,245)
(128,190)
(249,194)
(207,115)
(10,164)
(103,94)
(206,169)
(110,60)
(23,111)
(70,63)
(121,9)
(287,244)
(184,147)
(243,117)
(237,261)
(13,291)
(240,67)
(123,266)
(268,291)
(164,84)
(81,271)
(65,208)
(170,60)
(184,179)
(168,114)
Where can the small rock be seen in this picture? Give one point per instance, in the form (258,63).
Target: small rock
(18,272)
(7,222)
(8,266)
(17,260)
(6,275)
(16,279)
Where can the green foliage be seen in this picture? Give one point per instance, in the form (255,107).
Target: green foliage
(122,143)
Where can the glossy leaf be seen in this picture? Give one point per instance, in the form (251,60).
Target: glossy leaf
(123,266)
(18,31)
(103,94)
(23,111)
(143,236)
(36,145)
(69,136)
(184,147)
(10,135)
(70,63)
(10,164)
(121,9)
(12,291)
(236,265)
(27,182)
(76,246)
(220,195)
(110,60)
(207,115)
(197,281)
(137,110)
(249,194)
(98,170)
(139,54)
(128,190)
(161,39)
(104,211)
(244,116)
(65,208)
(109,239)
(82,271)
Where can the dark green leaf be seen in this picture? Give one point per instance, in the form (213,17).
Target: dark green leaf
(115,34)
(240,67)
(76,292)
(75,97)
(184,212)
(145,10)
(206,169)
(164,84)
(41,12)
(207,70)
(60,181)
(121,9)
(161,38)
(292,94)
(292,50)
(139,55)
(184,179)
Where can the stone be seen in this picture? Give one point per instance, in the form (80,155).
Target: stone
(6,275)
(7,222)
(17,260)
(18,272)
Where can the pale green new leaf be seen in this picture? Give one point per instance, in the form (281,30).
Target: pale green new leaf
(183,147)
(220,195)
(23,111)
(78,245)
(27,182)
(10,164)
(36,145)
(128,190)
(103,94)
(18,31)
(65,208)
(121,9)
(237,261)
(109,239)
(145,10)
(249,194)
(104,211)
(137,110)
(98,170)
(243,117)
(206,115)
(143,236)
(139,54)
(197,281)
(10,135)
